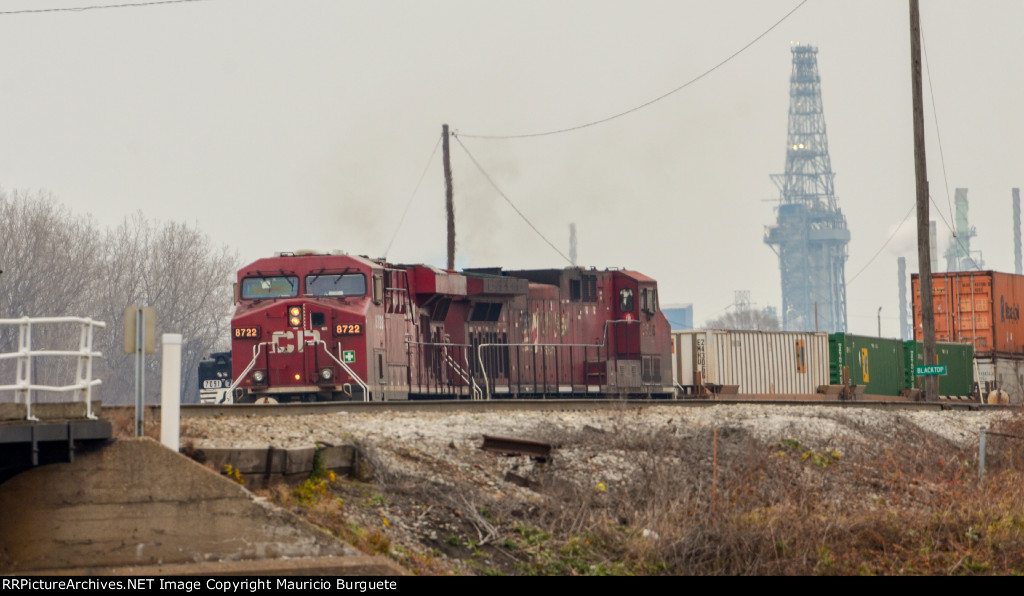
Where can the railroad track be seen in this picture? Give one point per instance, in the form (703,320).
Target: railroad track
(302,409)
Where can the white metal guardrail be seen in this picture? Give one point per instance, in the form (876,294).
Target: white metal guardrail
(23,385)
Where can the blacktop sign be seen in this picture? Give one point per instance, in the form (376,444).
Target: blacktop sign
(935,369)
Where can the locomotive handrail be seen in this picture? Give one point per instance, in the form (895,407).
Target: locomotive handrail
(348,369)
(465,376)
(477,394)
(255,355)
(603,344)
(84,382)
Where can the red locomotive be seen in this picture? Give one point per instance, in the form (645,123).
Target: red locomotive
(320,327)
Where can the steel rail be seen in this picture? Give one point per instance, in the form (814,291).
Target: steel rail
(499,405)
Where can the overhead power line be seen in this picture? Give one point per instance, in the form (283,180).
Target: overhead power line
(945,179)
(508,200)
(653,101)
(881,248)
(412,196)
(96,7)
(938,136)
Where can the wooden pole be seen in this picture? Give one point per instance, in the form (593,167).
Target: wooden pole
(714,479)
(449,201)
(924,260)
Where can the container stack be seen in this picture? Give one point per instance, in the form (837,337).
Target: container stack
(983,309)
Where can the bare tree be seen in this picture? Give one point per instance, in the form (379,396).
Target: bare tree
(749,319)
(175,269)
(58,264)
(48,257)
(47,254)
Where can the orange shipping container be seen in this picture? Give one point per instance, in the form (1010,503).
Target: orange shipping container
(978,307)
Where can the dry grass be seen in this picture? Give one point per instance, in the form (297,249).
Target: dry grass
(725,503)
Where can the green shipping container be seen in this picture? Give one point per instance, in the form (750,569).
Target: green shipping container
(876,363)
(958,358)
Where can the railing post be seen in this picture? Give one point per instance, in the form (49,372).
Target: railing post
(140,374)
(83,377)
(981,453)
(170,392)
(24,376)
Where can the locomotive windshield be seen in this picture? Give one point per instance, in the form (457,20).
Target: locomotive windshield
(336,284)
(277,286)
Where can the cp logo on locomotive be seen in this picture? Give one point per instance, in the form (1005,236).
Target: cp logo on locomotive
(286,342)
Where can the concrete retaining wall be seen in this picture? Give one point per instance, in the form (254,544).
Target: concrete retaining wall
(262,467)
(137,503)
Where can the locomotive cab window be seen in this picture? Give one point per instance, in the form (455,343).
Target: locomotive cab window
(378,289)
(649,300)
(590,288)
(336,284)
(274,286)
(626,300)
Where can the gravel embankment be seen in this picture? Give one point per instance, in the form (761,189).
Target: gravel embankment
(425,430)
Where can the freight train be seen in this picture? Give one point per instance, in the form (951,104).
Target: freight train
(332,326)
(981,308)
(781,363)
(313,327)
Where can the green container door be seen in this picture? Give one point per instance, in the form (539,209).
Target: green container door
(836,357)
(959,360)
(874,362)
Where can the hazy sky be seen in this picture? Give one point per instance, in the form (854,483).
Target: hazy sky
(306,124)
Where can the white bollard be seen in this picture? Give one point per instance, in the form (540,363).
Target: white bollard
(170,392)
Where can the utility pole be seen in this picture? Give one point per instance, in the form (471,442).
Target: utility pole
(924,261)
(449,201)
(1017,264)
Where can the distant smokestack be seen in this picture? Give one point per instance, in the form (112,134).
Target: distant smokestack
(905,332)
(1016,232)
(934,246)
(572,244)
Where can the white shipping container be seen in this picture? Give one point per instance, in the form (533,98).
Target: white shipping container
(1003,372)
(756,362)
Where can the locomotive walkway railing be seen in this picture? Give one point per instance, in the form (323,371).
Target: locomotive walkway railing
(604,345)
(438,359)
(24,383)
(461,372)
(520,367)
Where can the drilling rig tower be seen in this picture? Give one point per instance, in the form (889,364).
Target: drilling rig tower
(810,233)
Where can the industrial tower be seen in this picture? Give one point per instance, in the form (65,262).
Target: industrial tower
(958,255)
(810,234)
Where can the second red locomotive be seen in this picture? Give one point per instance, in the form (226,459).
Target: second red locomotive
(320,327)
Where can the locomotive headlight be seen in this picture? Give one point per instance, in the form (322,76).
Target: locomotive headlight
(295,316)
(258,376)
(326,374)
